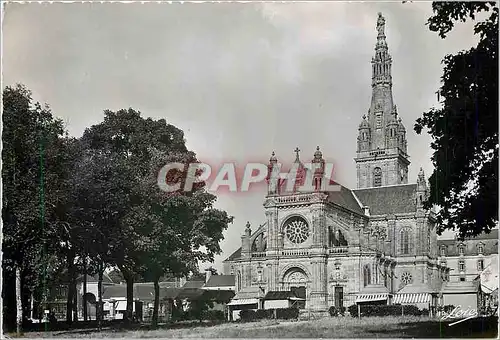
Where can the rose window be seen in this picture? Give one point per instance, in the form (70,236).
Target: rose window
(406,278)
(297,230)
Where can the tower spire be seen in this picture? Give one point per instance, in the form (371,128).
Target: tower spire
(381,156)
(381,62)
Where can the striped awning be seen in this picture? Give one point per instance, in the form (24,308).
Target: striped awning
(371,297)
(409,298)
(243,302)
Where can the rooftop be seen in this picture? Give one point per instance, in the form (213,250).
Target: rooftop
(390,199)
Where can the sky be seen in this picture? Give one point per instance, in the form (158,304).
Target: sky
(240,79)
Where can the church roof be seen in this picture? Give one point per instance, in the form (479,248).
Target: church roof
(345,199)
(389,200)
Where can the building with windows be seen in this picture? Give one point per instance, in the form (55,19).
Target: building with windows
(468,258)
(363,245)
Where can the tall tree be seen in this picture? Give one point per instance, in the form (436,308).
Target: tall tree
(464,130)
(126,136)
(31,141)
(175,230)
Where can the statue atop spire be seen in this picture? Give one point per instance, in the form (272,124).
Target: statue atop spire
(380,24)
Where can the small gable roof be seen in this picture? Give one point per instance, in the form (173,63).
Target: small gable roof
(389,200)
(95,278)
(221,281)
(279,295)
(249,293)
(193,284)
(190,293)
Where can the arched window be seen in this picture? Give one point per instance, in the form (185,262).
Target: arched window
(405,242)
(377,177)
(366,275)
(337,238)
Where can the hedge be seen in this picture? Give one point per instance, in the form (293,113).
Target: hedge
(336,311)
(278,313)
(386,310)
(214,315)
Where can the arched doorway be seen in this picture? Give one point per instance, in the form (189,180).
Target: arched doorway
(296,280)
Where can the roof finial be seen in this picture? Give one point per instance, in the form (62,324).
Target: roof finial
(297,158)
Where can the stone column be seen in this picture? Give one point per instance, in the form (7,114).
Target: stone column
(318,300)
(272,251)
(318,297)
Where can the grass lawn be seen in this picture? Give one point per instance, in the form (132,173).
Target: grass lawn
(368,327)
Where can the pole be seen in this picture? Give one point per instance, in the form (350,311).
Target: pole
(359,311)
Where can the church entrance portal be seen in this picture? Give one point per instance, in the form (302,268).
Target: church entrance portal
(296,280)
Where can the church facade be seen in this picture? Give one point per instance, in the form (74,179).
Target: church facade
(349,246)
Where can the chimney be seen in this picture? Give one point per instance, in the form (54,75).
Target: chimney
(208,274)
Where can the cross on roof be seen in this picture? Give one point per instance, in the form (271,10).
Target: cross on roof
(297,150)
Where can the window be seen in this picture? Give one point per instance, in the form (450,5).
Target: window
(462,279)
(480,248)
(461,249)
(405,242)
(480,265)
(461,265)
(443,251)
(337,239)
(377,177)
(366,275)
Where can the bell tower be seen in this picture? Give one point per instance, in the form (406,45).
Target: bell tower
(381,157)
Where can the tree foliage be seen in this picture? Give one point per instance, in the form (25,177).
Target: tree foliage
(464,130)
(67,201)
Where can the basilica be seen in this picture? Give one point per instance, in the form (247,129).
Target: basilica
(372,244)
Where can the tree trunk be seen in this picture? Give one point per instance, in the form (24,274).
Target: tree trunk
(99,292)
(71,293)
(75,302)
(130,298)
(156,305)
(19,302)
(129,280)
(84,298)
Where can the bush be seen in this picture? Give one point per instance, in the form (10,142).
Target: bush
(248,315)
(287,313)
(279,313)
(214,315)
(264,314)
(387,310)
(334,311)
